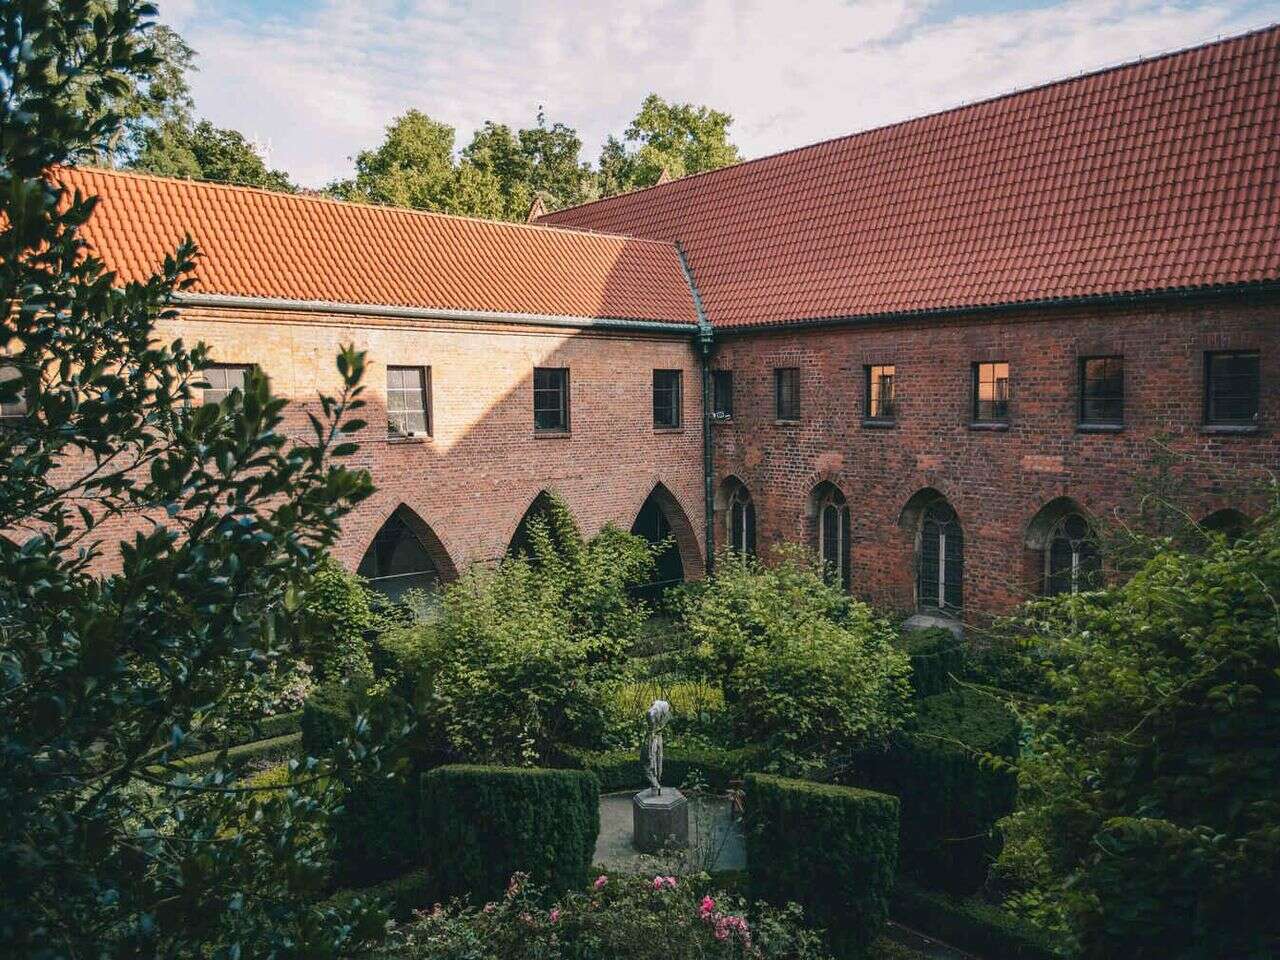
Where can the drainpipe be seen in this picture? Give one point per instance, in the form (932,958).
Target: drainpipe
(705,346)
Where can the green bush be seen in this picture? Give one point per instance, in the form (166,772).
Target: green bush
(400,895)
(936,655)
(971,924)
(480,825)
(327,717)
(258,753)
(336,614)
(952,793)
(623,770)
(809,673)
(376,831)
(834,850)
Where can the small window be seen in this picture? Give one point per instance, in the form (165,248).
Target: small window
(666,398)
(742,522)
(786,392)
(1072,562)
(222,379)
(408,400)
(991,393)
(834,538)
(722,394)
(551,399)
(880,398)
(1232,387)
(15,408)
(1102,390)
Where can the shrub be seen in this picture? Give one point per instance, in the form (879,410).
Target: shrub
(1148,788)
(811,674)
(698,714)
(401,895)
(335,607)
(327,717)
(936,655)
(482,824)
(258,753)
(623,770)
(618,918)
(832,849)
(971,924)
(951,791)
(376,830)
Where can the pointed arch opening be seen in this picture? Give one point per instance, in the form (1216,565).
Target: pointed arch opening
(832,533)
(546,507)
(1229,523)
(659,519)
(405,554)
(739,511)
(1064,538)
(939,553)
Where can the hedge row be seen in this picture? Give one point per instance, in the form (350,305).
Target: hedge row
(260,751)
(622,770)
(936,656)
(834,850)
(402,895)
(951,799)
(971,924)
(482,824)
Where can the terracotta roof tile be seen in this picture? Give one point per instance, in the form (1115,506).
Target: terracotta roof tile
(1159,175)
(262,244)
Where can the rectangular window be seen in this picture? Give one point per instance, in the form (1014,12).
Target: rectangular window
(666,398)
(15,408)
(1102,390)
(1233,387)
(551,399)
(722,394)
(222,379)
(786,392)
(990,393)
(880,398)
(408,400)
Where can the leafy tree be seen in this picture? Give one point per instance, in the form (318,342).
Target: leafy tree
(679,138)
(1148,822)
(206,152)
(110,848)
(543,160)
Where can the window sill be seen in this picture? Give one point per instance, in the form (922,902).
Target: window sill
(551,434)
(989,426)
(1229,429)
(879,423)
(786,423)
(400,438)
(1099,427)
(658,429)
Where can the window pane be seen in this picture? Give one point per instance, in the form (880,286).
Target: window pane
(17,407)
(880,392)
(1102,390)
(222,379)
(940,577)
(550,398)
(666,398)
(722,393)
(407,400)
(991,392)
(787,392)
(1233,387)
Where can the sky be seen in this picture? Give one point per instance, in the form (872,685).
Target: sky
(313,83)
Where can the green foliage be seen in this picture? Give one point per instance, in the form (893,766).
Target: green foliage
(110,848)
(538,161)
(1148,810)
(832,849)
(623,769)
(619,918)
(937,656)
(678,138)
(482,824)
(201,151)
(335,606)
(256,753)
(971,924)
(376,832)
(952,770)
(400,896)
(808,672)
(697,707)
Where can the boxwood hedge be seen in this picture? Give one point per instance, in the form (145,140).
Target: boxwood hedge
(834,850)
(971,924)
(622,769)
(936,656)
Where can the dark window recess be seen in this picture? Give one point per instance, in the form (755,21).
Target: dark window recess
(1233,386)
(1102,390)
(222,379)
(940,573)
(834,539)
(397,561)
(551,398)
(666,398)
(1072,561)
(786,392)
(990,392)
(16,407)
(742,523)
(408,400)
(880,397)
(722,394)
(652,524)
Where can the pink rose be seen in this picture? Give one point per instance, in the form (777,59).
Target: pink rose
(554,915)
(601,881)
(706,907)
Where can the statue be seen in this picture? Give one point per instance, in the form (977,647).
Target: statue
(651,754)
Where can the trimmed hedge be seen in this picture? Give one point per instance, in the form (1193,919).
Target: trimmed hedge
(260,751)
(622,770)
(327,717)
(402,895)
(971,924)
(950,799)
(834,850)
(482,824)
(376,829)
(936,656)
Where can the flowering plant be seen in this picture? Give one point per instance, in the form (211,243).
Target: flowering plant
(621,918)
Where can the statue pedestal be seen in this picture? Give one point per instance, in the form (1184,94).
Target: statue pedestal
(659,819)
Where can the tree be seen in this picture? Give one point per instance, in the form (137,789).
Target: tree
(1148,823)
(679,138)
(110,849)
(206,152)
(542,160)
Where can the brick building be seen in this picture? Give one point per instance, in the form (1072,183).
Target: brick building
(935,352)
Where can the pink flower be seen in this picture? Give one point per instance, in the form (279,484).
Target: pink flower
(706,907)
(658,883)
(664,883)
(600,881)
(554,915)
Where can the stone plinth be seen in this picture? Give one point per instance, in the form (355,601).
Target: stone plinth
(660,819)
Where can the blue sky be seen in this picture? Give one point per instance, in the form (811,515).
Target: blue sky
(314,82)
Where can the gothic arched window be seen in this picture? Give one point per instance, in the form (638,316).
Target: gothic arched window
(940,561)
(397,560)
(834,537)
(1072,561)
(742,522)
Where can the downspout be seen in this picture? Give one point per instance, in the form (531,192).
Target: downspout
(705,346)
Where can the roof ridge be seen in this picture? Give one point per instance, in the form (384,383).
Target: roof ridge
(358,204)
(958,108)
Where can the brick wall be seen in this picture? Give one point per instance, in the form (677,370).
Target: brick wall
(996,481)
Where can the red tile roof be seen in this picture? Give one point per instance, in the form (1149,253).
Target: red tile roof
(261,244)
(1159,175)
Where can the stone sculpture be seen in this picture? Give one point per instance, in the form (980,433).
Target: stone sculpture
(658,715)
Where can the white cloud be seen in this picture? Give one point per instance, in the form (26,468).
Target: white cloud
(320,82)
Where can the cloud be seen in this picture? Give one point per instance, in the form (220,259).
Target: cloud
(316,82)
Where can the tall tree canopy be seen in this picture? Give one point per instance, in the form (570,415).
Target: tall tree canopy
(680,138)
(205,152)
